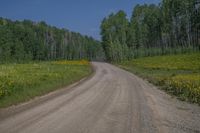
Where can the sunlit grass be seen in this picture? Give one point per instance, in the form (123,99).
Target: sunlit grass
(21,82)
(178,74)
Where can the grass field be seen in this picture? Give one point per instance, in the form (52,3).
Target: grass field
(177,74)
(22,82)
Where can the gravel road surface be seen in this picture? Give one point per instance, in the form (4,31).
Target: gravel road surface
(111,101)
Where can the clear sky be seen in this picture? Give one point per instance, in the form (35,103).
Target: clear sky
(82,16)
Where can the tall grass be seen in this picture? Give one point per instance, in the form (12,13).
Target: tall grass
(21,82)
(177,74)
(137,53)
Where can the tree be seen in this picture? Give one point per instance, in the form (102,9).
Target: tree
(27,41)
(173,26)
(114,36)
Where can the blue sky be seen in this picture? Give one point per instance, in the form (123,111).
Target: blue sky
(82,16)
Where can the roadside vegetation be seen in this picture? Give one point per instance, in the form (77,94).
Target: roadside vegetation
(170,27)
(22,82)
(177,74)
(28,54)
(23,41)
(158,41)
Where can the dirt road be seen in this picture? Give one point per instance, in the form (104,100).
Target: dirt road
(111,101)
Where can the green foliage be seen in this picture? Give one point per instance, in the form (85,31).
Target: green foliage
(171,27)
(177,74)
(27,41)
(175,62)
(21,82)
(187,87)
(114,29)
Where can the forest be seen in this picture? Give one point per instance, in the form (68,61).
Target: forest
(171,27)
(23,41)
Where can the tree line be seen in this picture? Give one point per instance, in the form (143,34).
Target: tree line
(173,26)
(26,41)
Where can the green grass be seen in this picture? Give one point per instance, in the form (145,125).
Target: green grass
(177,74)
(22,82)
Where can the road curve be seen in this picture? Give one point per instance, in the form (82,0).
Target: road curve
(111,101)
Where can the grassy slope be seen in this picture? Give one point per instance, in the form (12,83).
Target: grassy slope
(177,74)
(21,82)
